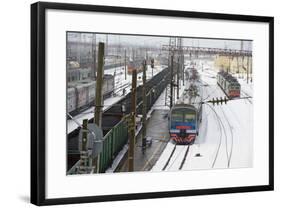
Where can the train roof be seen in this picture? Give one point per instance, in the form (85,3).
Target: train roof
(228,76)
(183,106)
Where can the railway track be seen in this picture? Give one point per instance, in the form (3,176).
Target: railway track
(121,87)
(169,159)
(231,132)
(223,129)
(173,158)
(177,157)
(229,154)
(220,139)
(209,94)
(184,158)
(248,96)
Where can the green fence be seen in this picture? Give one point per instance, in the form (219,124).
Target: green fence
(113,143)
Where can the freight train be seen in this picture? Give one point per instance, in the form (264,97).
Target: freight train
(228,84)
(111,145)
(81,94)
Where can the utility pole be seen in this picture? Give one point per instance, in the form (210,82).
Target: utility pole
(93,57)
(182,65)
(144,101)
(228,69)
(183,81)
(248,66)
(132,123)
(152,66)
(181,60)
(99,97)
(125,66)
(178,78)
(251,67)
(238,68)
(80,49)
(241,48)
(106,46)
(172,81)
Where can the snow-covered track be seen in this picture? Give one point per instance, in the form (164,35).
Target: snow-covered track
(169,158)
(248,96)
(220,139)
(231,132)
(178,157)
(184,157)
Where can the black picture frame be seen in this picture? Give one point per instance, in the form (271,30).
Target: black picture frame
(38,101)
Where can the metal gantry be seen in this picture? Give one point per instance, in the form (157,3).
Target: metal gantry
(206,50)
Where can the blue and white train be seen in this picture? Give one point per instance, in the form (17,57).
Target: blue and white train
(186,116)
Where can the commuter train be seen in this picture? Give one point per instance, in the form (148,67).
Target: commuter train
(81,94)
(228,84)
(185,119)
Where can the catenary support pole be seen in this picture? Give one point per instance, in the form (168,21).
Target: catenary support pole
(99,97)
(125,65)
(132,123)
(172,81)
(144,98)
(178,78)
(248,66)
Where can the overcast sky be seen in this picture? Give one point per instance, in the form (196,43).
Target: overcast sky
(158,41)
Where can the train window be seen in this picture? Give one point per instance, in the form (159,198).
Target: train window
(190,117)
(177,116)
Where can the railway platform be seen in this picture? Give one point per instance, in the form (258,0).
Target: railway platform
(158,134)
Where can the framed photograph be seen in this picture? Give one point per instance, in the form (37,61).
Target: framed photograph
(135,103)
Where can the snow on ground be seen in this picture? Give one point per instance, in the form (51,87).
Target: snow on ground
(225,137)
(160,103)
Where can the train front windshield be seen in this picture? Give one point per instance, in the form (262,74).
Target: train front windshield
(177,115)
(183,119)
(190,117)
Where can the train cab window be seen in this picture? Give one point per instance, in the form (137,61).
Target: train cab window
(177,116)
(189,117)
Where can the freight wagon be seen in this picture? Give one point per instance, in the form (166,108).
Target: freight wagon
(81,94)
